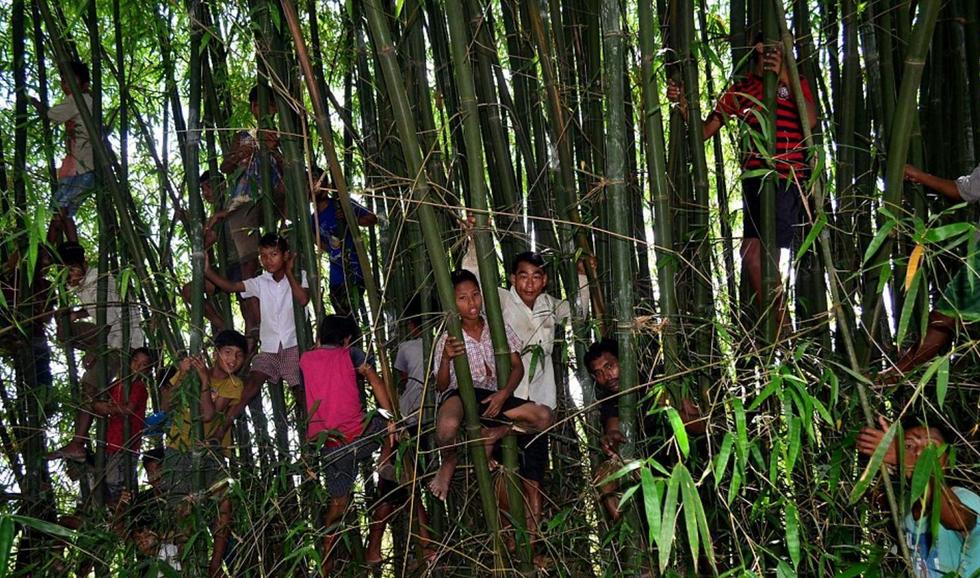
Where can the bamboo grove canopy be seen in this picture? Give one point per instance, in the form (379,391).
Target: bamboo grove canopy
(586,131)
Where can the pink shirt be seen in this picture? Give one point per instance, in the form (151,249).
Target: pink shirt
(333,401)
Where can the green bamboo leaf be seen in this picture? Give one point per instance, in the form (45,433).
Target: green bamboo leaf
(793,534)
(940,234)
(874,464)
(770,389)
(937,505)
(878,239)
(651,502)
(742,434)
(668,523)
(6,543)
(680,434)
(690,493)
(735,486)
(46,527)
(795,443)
(721,460)
(907,308)
(924,467)
(942,380)
(811,237)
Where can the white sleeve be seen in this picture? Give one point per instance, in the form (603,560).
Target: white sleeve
(63,111)
(302,280)
(401,364)
(470,261)
(253,288)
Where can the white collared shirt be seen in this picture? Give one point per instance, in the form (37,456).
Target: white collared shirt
(278,326)
(535,328)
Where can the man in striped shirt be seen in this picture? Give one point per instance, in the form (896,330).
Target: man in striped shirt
(787,165)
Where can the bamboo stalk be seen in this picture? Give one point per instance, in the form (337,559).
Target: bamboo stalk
(384,50)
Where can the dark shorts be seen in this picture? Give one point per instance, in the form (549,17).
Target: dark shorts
(534,456)
(116,475)
(392,492)
(481,394)
(179,476)
(340,462)
(789,210)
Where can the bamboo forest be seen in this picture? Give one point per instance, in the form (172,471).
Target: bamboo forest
(579,288)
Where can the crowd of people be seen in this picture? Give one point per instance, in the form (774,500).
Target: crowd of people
(333,378)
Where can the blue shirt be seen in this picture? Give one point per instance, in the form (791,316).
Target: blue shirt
(950,551)
(329,228)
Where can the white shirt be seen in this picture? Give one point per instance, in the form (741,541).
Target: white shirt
(278,327)
(410,360)
(88,297)
(79,159)
(535,329)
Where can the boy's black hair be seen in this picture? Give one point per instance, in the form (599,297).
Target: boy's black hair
(944,430)
(273,240)
(80,70)
(205,177)
(527,257)
(413,311)
(230,338)
(462,275)
(610,346)
(253,95)
(153,456)
(142,350)
(335,328)
(72,254)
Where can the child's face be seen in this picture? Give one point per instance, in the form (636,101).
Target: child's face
(256,111)
(272,259)
(529,281)
(206,193)
(140,363)
(230,359)
(75,275)
(605,371)
(153,472)
(469,301)
(146,541)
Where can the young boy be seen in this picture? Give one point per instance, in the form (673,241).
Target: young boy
(789,162)
(84,335)
(276,290)
(961,298)
(955,550)
(76,175)
(478,348)
(243,208)
(337,417)
(220,389)
(533,316)
(602,361)
(211,236)
(410,363)
(118,409)
(346,276)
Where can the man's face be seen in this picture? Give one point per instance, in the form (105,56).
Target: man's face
(529,281)
(469,300)
(605,371)
(230,359)
(75,275)
(272,259)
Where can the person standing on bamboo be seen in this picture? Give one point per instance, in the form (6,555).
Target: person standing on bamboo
(243,209)
(85,335)
(961,298)
(533,316)
(76,175)
(336,237)
(787,164)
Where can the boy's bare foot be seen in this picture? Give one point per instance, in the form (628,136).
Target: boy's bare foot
(73,451)
(439,486)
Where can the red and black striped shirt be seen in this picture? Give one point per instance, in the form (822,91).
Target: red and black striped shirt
(790,155)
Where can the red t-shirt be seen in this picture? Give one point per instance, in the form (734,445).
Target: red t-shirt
(790,154)
(333,399)
(115,429)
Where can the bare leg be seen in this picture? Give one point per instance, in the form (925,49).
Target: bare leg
(221,534)
(335,512)
(382,513)
(533,416)
(75,449)
(447,428)
(752,267)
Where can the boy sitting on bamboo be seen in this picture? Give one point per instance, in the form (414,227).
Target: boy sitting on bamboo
(338,422)
(478,348)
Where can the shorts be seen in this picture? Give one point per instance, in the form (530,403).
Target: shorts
(789,210)
(179,477)
(243,224)
(340,462)
(481,394)
(283,365)
(533,457)
(71,192)
(116,475)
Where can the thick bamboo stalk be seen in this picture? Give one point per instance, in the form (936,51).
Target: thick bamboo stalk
(384,50)
(769,251)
